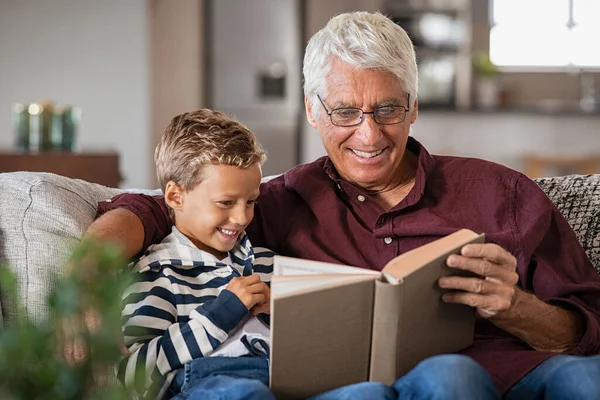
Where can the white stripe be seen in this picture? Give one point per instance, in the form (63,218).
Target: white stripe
(151,356)
(202,278)
(201,337)
(212,329)
(154,301)
(162,363)
(179,344)
(144,287)
(147,321)
(263,277)
(130,369)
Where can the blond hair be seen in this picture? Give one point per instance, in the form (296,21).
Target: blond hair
(195,139)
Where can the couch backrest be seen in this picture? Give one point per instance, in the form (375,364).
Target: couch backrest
(578,199)
(42,216)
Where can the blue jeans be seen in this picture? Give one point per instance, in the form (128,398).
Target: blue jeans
(449,376)
(247,378)
(223,378)
(560,377)
(459,377)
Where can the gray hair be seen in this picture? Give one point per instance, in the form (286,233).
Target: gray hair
(364,40)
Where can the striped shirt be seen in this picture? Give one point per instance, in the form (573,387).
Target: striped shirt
(178,309)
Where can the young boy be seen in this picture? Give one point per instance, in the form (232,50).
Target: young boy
(189,320)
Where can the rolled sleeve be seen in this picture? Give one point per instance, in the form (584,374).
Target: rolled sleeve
(151,210)
(589,343)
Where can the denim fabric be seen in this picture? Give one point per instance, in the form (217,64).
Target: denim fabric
(223,378)
(560,377)
(449,376)
(362,390)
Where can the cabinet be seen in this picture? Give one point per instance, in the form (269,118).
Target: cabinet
(101,168)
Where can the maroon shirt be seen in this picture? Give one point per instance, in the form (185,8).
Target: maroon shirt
(310,212)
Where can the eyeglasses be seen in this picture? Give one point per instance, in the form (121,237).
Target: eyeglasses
(352,116)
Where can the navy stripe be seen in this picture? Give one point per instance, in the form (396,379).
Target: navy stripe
(157,291)
(140,370)
(152,311)
(191,343)
(264,254)
(214,283)
(191,299)
(170,351)
(134,330)
(263,269)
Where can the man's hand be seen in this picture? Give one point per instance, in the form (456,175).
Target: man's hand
(493,292)
(74,349)
(250,290)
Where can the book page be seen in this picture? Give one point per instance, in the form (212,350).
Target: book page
(297,266)
(406,263)
(288,285)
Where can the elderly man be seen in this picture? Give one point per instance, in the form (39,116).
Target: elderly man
(379,193)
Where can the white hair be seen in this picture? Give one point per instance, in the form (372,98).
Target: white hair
(364,40)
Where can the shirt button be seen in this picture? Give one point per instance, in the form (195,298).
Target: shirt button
(361,198)
(387,240)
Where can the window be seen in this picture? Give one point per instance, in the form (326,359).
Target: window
(545,33)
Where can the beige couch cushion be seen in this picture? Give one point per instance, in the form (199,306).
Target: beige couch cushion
(42,218)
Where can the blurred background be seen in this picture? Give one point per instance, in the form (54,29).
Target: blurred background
(91,84)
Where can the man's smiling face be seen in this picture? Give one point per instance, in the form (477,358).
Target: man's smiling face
(368,155)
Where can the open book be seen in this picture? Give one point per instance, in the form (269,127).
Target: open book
(334,325)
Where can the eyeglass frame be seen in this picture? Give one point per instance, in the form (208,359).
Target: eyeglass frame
(362,115)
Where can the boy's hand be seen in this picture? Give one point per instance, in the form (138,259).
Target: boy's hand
(265,306)
(249,289)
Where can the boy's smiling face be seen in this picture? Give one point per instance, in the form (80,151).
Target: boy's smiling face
(214,213)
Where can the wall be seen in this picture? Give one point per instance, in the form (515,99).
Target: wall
(91,53)
(177,64)
(508,137)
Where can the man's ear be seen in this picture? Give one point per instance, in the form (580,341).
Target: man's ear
(415,112)
(309,114)
(174,195)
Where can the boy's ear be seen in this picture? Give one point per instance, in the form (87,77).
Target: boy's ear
(174,195)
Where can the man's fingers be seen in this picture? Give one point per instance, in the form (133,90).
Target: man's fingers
(487,306)
(485,268)
(476,285)
(75,351)
(491,252)
(92,320)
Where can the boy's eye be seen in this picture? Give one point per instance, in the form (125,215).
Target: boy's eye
(226,202)
(251,202)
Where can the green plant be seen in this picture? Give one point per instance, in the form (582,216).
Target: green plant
(31,363)
(483,67)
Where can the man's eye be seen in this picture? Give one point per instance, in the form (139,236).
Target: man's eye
(347,113)
(387,111)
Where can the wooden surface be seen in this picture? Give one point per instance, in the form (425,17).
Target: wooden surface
(536,166)
(101,168)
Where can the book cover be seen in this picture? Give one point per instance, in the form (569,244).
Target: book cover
(334,325)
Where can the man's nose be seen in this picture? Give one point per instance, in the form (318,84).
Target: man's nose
(369,131)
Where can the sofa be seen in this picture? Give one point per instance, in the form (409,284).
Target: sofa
(42,216)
